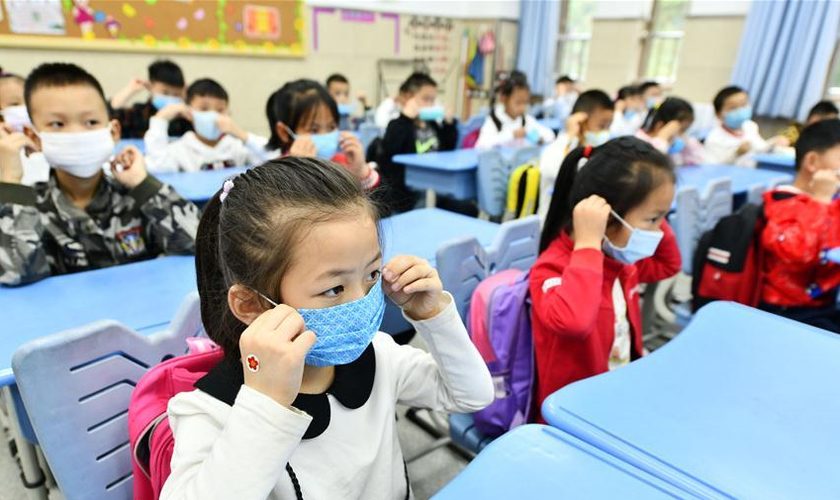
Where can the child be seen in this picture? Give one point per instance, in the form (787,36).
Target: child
(565,95)
(303,404)
(15,118)
(217,142)
(803,221)
(665,129)
(422,127)
(303,120)
(589,125)
(339,89)
(165,86)
(81,219)
(736,138)
(605,233)
(651,94)
(630,112)
(823,110)
(509,122)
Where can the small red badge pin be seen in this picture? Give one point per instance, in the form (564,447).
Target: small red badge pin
(253,363)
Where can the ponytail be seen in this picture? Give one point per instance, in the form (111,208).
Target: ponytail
(623,172)
(672,108)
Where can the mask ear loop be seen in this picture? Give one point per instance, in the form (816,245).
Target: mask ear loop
(622,221)
(289,130)
(275,304)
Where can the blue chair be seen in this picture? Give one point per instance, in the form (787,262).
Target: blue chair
(367,133)
(76,386)
(462,265)
(492,177)
(471,124)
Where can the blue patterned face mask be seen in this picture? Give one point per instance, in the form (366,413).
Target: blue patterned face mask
(344,331)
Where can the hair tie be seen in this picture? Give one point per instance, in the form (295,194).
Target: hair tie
(226,187)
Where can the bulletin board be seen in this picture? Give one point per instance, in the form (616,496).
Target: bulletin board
(246,27)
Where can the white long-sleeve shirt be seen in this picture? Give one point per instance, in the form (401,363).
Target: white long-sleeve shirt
(189,154)
(491,136)
(722,145)
(551,158)
(240,451)
(387,110)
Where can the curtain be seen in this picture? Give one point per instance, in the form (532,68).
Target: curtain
(539,24)
(785,54)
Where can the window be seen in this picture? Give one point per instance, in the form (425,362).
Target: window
(832,90)
(661,54)
(573,39)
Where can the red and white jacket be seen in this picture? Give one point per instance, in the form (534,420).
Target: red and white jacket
(798,232)
(573,317)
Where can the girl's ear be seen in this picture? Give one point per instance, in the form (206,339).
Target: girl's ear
(811,162)
(282,133)
(245,304)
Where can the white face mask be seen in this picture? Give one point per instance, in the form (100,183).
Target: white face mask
(16,117)
(80,154)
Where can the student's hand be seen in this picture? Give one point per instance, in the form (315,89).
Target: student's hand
(780,141)
(229,127)
(136,85)
(620,106)
(279,340)
(744,148)
(669,130)
(824,185)
(11,144)
(129,167)
(520,133)
(352,149)
(411,108)
(575,122)
(448,117)
(362,97)
(414,285)
(590,218)
(174,110)
(303,146)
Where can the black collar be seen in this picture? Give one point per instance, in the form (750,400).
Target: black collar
(352,386)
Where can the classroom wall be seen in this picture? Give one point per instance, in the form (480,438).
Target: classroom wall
(346,47)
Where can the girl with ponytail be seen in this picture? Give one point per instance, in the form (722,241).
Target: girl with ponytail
(509,121)
(665,128)
(604,234)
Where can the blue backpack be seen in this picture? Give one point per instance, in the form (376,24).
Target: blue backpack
(500,328)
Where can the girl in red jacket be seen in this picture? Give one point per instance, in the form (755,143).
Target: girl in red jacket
(604,234)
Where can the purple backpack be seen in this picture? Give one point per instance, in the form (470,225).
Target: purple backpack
(500,328)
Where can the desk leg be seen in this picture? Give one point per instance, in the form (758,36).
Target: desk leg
(431,198)
(32,476)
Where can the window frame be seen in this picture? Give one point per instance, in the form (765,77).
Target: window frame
(649,36)
(562,40)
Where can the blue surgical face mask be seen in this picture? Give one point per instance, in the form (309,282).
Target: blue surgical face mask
(641,245)
(596,139)
(736,118)
(533,136)
(651,102)
(344,331)
(629,114)
(204,123)
(326,144)
(677,146)
(346,109)
(160,101)
(432,113)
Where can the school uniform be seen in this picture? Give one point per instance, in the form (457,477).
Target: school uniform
(623,125)
(234,442)
(691,154)
(387,111)
(189,154)
(500,131)
(722,145)
(576,319)
(405,136)
(134,121)
(798,281)
(551,158)
(44,234)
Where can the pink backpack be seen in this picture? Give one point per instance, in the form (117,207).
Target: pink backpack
(151,438)
(470,139)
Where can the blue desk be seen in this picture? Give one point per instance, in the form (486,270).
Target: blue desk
(199,187)
(741,405)
(776,162)
(742,177)
(421,232)
(538,462)
(450,173)
(144,296)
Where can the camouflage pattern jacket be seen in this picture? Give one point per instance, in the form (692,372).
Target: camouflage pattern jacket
(42,233)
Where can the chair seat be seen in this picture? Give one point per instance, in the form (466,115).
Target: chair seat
(463,432)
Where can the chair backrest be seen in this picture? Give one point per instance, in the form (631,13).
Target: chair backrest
(76,386)
(705,120)
(463,263)
(469,126)
(367,133)
(697,214)
(492,177)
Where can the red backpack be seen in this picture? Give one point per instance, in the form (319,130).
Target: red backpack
(729,260)
(151,438)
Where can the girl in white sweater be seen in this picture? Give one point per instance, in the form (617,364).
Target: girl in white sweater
(303,405)
(509,122)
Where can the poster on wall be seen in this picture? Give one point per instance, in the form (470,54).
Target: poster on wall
(258,27)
